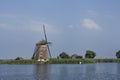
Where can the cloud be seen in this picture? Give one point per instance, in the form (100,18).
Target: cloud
(92,13)
(90,24)
(37,26)
(22,23)
(2,25)
(70,26)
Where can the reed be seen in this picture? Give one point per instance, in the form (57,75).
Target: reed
(60,61)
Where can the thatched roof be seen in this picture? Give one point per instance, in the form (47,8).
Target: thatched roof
(19,58)
(74,56)
(43,42)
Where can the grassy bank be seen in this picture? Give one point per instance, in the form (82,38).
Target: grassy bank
(59,61)
(83,61)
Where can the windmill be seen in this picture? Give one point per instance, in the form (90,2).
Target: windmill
(42,50)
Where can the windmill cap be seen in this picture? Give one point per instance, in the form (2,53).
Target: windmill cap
(43,42)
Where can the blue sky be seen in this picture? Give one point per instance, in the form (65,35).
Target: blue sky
(73,26)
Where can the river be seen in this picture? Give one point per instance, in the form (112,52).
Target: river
(97,71)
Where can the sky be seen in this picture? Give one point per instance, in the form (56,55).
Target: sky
(73,26)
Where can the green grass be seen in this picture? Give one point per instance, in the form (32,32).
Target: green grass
(70,61)
(59,61)
(19,62)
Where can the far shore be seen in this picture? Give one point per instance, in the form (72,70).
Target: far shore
(60,61)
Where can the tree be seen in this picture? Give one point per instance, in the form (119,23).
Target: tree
(90,54)
(79,57)
(64,55)
(118,54)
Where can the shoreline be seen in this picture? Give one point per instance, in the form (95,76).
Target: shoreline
(60,61)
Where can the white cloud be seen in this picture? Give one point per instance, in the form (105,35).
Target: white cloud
(8,15)
(70,26)
(90,24)
(26,23)
(109,16)
(37,26)
(2,25)
(92,13)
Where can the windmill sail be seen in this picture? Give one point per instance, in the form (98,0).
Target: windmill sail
(46,40)
(35,51)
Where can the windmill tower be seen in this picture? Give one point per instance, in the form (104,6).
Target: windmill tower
(42,50)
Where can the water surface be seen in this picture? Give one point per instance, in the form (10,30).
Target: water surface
(98,71)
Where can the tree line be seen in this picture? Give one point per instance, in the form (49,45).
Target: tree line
(88,54)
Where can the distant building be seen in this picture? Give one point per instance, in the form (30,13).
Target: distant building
(75,56)
(19,58)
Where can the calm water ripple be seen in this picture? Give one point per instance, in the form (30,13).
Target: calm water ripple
(98,71)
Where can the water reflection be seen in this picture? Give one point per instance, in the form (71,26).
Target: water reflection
(90,71)
(63,73)
(118,68)
(101,71)
(41,72)
(118,71)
